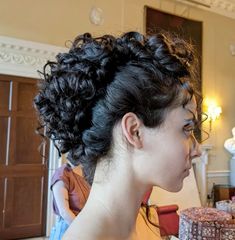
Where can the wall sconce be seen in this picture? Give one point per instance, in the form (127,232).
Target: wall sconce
(96,16)
(232,49)
(213,112)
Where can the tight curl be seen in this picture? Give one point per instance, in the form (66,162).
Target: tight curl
(87,90)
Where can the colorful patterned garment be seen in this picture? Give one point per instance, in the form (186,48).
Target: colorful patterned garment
(206,224)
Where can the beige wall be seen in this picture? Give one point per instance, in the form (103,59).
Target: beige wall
(55,21)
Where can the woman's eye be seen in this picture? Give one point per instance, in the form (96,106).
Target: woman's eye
(188,129)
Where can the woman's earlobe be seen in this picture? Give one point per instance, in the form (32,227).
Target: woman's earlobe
(131,125)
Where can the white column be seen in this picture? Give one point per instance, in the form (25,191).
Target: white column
(54,163)
(200,167)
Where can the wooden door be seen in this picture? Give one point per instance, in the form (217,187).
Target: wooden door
(23,169)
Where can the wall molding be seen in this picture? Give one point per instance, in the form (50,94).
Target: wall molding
(222,7)
(24,58)
(218,173)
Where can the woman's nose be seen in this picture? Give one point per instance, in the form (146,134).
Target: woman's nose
(196,149)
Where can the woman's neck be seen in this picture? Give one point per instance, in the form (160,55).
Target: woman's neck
(118,196)
(118,211)
(112,206)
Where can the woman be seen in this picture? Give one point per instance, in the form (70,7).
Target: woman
(125,109)
(70,192)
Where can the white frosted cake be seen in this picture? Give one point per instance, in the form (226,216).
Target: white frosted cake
(206,224)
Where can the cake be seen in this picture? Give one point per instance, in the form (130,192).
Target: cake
(201,223)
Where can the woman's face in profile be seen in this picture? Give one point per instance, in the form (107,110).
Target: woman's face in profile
(169,149)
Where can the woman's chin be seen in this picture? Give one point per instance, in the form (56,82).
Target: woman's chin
(175,188)
(172,186)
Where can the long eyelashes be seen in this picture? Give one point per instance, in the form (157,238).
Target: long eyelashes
(194,127)
(189,131)
(189,128)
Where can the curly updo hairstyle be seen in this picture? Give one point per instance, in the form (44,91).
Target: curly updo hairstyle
(87,90)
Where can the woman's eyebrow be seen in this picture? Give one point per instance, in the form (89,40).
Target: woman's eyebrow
(194,115)
(193,118)
(190,121)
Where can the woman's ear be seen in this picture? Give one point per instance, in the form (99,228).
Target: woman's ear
(131,127)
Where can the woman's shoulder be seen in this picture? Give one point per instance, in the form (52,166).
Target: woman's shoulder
(62,173)
(62,170)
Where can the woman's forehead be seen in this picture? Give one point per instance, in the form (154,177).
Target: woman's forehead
(192,105)
(189,111)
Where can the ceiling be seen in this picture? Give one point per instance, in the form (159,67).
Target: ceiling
(223,7)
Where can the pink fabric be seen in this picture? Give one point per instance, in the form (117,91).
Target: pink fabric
(168,219)
(147,196)
(77,186)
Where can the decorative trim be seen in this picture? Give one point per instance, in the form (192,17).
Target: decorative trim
(226,5)
(25,58)
(220,173)
(222,7)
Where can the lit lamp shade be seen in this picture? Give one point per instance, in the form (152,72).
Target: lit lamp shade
(214,112)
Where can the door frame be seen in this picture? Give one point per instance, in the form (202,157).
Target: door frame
(24,58)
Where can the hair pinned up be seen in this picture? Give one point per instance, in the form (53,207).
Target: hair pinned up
(87,90)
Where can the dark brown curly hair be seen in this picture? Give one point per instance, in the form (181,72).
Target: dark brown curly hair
(88,89)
